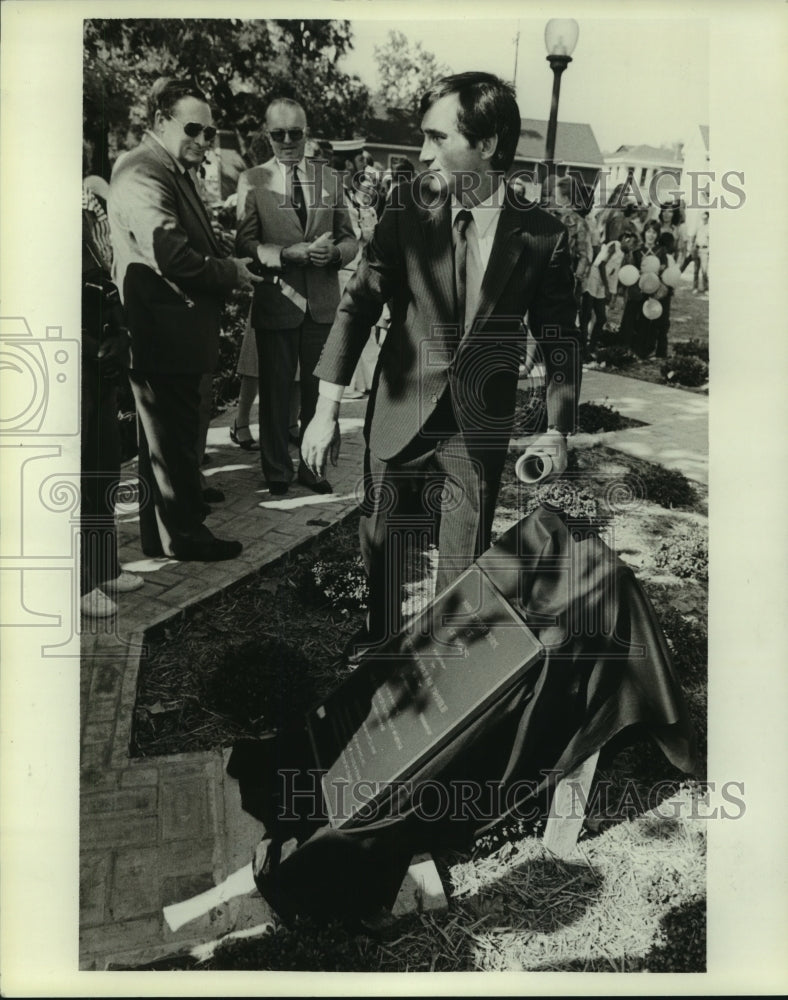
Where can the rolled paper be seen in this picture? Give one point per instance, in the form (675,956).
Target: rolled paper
(291,293)
(239,883)
(531,467)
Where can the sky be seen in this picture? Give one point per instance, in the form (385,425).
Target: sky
(634,81)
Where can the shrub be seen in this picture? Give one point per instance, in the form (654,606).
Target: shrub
(226,383)
(667,487)
(565,497)
(688,642)
(344,583)
(691,348)
(609,336)
(261,679)
(685,555)
(616,356)
(593,418)
(689,371)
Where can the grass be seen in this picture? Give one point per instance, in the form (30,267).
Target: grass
(689,320)
(632,898)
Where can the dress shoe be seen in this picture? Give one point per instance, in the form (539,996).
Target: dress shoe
(96,604)
(154,551)
(306,478)
(278,489)
(124,583)
(247,443)
(211,495)
(207,550)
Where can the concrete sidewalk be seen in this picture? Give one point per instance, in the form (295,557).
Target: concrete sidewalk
(161,830)
(676,431)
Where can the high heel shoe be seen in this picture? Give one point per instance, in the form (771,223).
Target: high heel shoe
(248,444)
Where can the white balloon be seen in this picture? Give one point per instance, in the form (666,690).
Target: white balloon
(671,276)
(628,275)
(652,309)
(649,283)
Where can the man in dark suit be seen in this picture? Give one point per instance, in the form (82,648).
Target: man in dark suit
(173,275)
(461,273)
(296,225)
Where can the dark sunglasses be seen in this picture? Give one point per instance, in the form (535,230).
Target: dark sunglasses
(193,129)
(279,134)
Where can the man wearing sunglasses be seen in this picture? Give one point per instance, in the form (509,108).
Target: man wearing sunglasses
(297,227)
(173,274)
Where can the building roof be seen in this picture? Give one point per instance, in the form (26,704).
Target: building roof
(575,142)
(662,156)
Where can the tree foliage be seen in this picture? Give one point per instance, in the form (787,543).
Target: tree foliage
(406,70)
(241,66)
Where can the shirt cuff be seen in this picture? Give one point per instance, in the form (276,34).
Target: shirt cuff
(331,390)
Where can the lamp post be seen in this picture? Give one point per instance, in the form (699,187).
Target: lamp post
(560,38)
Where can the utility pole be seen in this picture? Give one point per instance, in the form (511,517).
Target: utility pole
(516,53)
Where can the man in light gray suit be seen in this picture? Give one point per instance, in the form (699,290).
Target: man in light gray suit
(173,275)
(297,227)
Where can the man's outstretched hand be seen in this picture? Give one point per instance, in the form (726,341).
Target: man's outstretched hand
(552,445)
(322,439)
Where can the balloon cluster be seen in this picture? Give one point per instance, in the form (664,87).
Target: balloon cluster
(651,283)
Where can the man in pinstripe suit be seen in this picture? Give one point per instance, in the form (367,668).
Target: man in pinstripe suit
(461,261)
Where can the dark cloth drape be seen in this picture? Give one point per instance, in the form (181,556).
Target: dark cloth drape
(606,668)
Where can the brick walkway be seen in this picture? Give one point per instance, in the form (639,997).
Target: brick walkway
(160,830)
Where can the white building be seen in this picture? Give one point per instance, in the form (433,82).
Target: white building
(696,189)
(654,173)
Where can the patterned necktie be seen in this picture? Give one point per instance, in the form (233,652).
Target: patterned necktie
(460,240)
(298,198)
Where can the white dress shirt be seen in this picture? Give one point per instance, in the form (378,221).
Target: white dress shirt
(480,235)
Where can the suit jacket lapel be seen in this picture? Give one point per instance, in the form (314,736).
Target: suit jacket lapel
(507,248)
(190,190)
(436,225)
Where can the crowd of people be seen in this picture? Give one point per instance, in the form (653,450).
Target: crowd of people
(343,297)
(652,239)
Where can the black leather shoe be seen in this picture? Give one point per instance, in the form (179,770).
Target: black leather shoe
(208,550)
(212,495)
(278,489)
(311,482)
